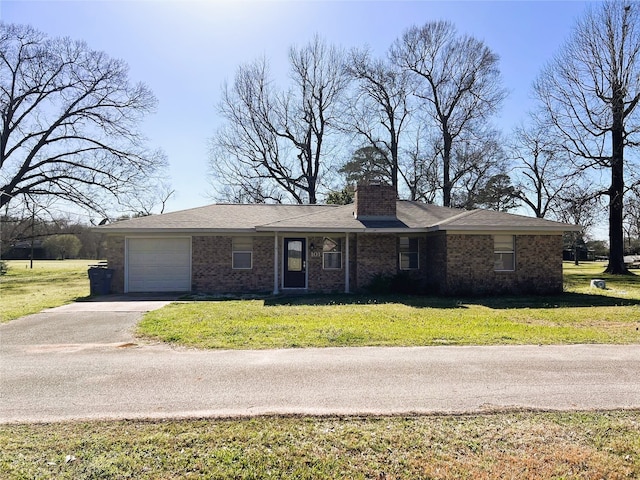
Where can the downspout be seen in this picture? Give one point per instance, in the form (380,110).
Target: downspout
(275,264)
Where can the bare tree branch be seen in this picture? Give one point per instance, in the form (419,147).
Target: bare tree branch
(70,121)
(459,83)
(590,93)
(277,139)
(379,109)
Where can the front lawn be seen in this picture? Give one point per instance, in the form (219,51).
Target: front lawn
(50,283)
(580,315)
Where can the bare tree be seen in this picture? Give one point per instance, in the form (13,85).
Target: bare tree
(380,108)
(246,159)
(275,141)
(318,74)
(475,159)
(632,221)
(590,92)
(420,169)
(578,204)
(542,169)
(70,119)
(460,83)
(150,197)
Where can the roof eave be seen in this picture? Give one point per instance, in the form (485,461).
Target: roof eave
(171,231)
(339,230)
(506,228)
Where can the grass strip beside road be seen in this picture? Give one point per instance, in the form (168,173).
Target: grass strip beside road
(50,283)
(513,445)
(580,315)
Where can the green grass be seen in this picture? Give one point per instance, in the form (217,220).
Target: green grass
(580,315)
(509,445)
(577,280)
(583,445)
(49,284)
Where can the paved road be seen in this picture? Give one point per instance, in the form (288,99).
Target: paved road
(82,362)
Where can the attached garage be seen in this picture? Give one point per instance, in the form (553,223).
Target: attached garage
(158,264)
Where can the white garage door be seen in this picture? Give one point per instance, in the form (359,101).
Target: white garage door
(158,264)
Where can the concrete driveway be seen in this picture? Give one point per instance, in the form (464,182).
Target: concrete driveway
(82,361)
(107,320)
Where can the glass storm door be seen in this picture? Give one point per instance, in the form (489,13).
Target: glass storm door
(295,263)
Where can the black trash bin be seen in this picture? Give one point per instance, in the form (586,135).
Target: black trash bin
(100,280)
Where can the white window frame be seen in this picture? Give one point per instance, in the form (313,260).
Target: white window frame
(337,252)
(408,252)
(242,243)
(499,242)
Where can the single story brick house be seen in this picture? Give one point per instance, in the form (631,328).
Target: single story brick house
(232,248)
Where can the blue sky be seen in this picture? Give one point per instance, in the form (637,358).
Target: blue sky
(185,50)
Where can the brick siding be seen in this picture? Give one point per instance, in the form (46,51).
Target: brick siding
(328,280)
(436,262)
(449,264)
(115,261)
(376,254)
(212,270)
(375,201)
(470,268)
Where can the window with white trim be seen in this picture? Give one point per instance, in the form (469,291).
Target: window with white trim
(409,249)
(504,255)
(331,253)
(242,256)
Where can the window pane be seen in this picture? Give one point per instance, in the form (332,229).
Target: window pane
(504,261)
(242,244)
(294,256)
(409,244)
(408,260)
(503,243)
(332,260)
(242,260)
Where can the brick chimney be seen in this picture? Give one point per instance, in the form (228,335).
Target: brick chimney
(375,201)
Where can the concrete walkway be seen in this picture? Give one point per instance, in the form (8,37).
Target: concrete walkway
(82,362)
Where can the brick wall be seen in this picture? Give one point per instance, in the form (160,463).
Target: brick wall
(376,254)
(375,201)
(319,279)
(539,260)
(470,268)
(212,272)
(449,264)
(115,260)
(436,262)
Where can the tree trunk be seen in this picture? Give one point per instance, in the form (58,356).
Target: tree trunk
(446,168)
(616,191)
(616,237)
(394,159)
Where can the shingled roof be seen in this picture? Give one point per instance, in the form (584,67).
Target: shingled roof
(410,216)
